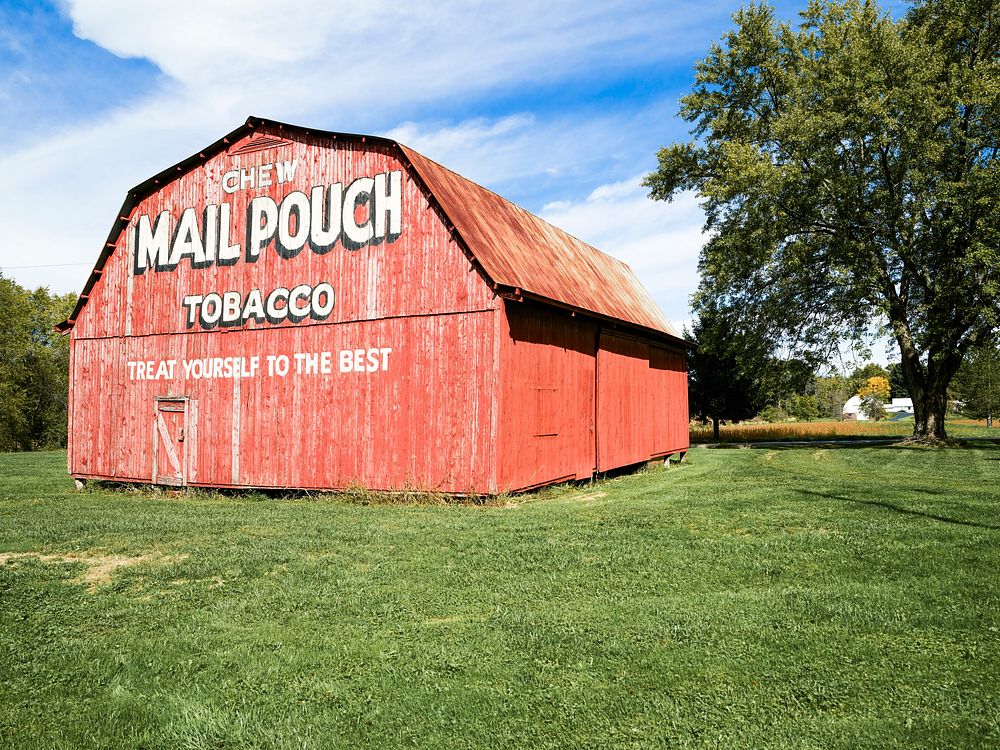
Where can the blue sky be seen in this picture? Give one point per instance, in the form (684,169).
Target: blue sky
(559,107)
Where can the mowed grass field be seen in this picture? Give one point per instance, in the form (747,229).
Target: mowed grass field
(800,598)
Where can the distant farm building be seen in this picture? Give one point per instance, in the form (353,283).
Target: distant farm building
(292,308)
(898,406)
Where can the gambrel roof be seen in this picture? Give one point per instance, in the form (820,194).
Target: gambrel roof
(521,255)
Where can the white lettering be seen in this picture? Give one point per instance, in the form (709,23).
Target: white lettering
(358,193)
(388,202)
(254,306)
(231,181)
(322,300)
(298,312)
(281,365)
(286,170)
(220,367)
(365,360)
(211,309)
(187,240)
(151,243)
(264,178)
(263,220)
(325,205)
(231,307)
(274,313)
(191,302)
(151,369)
(228,254)
(295,204)
(210,232)
(307,363)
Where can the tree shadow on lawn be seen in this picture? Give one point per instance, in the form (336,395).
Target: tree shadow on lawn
(900,509)
(982,444)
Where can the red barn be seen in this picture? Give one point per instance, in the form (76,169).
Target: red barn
(298,308)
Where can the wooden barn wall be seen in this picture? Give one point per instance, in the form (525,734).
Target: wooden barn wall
(668,375)
(426,421)
(545,430)
(405,426)
(641,401)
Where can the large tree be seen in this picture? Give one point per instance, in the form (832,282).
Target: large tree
(727,370)
(847,166)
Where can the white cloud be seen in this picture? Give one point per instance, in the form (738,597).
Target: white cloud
(356,52)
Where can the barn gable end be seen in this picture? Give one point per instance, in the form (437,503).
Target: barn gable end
(410,311)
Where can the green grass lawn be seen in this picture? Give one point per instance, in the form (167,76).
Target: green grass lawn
(799,598)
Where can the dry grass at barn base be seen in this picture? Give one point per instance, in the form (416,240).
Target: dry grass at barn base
(750,432)
(803,597)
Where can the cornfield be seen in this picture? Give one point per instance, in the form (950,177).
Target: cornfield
(749,432)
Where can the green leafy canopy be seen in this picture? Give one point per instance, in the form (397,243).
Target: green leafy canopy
(34,367)
(847,166)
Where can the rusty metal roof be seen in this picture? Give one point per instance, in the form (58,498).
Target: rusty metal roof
(523,255)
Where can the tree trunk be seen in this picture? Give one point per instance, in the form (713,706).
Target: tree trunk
(928,384)
(715,429)
(929,406)
(928,390)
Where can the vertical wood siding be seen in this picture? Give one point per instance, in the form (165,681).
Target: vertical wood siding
(426,422)
(623,402)
(669,386)
(547,368)
(641,401)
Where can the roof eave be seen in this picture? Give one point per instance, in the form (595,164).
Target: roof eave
(517,294)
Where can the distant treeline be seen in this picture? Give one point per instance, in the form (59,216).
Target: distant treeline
(34,367)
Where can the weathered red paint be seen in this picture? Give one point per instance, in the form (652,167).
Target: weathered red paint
(494,351)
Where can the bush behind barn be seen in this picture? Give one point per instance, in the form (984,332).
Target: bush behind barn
(34,368)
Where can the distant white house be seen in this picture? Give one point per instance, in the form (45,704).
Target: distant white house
(899,404)
(852,409)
